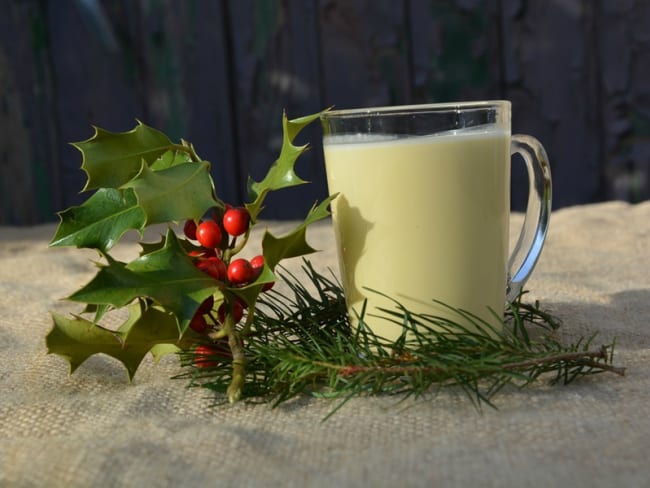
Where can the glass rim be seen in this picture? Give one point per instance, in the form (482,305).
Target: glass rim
(392,110)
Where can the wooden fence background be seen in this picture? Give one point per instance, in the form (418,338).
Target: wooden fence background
(220,72)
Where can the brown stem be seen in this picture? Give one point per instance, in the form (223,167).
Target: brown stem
(586,358)
(604,366)
(568,356)
(236,248)
(238,358)
(246,330)
(237,382)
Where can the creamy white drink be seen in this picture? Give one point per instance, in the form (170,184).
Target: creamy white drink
(421,218)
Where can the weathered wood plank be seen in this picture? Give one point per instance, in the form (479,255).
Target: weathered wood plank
(364,49)
(456,50)
(94,80)
(625,59)
(186,87)
(29,180)
(220,73)
(550,82)
(275,64)
(16,179)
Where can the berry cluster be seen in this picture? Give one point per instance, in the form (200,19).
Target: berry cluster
(217,239)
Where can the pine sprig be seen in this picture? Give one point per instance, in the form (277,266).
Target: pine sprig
(302,342)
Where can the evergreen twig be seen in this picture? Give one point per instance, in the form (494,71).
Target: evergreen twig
(303,343)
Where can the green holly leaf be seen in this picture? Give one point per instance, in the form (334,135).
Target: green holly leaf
(169,159)
(293,244)
(100,221)
(281,174)
(147,329)
(179,192)
(294,126)
(251,291)
(149,247)
(110,159)
(98,310)
(167,276)
(160,350)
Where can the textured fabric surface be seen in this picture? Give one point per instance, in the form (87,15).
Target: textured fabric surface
(95,429)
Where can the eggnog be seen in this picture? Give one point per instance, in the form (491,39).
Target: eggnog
(422,218)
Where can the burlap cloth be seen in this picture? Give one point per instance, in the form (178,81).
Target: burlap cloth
(95,429)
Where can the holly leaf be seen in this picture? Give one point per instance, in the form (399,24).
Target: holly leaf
(293,244)
(169,159)
(251,291)
(179,192)
(149,247)
(167,276)
(110,159)
(281,174)
(146,329)
(100,221)
(160,350)
(98,310)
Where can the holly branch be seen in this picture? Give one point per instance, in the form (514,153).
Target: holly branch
(183,290)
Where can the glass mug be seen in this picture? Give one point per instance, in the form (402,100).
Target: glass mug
(423,208)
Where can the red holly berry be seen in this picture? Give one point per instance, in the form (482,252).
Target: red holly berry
(201,253)
(204,356)
(199,324)
(236,221)
(206,306)
(208,234)
(189,229)
(257,263)
(240,271)
(213,266)
(237,311)
(210,355)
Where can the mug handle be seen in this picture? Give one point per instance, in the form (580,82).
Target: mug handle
(533,233)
